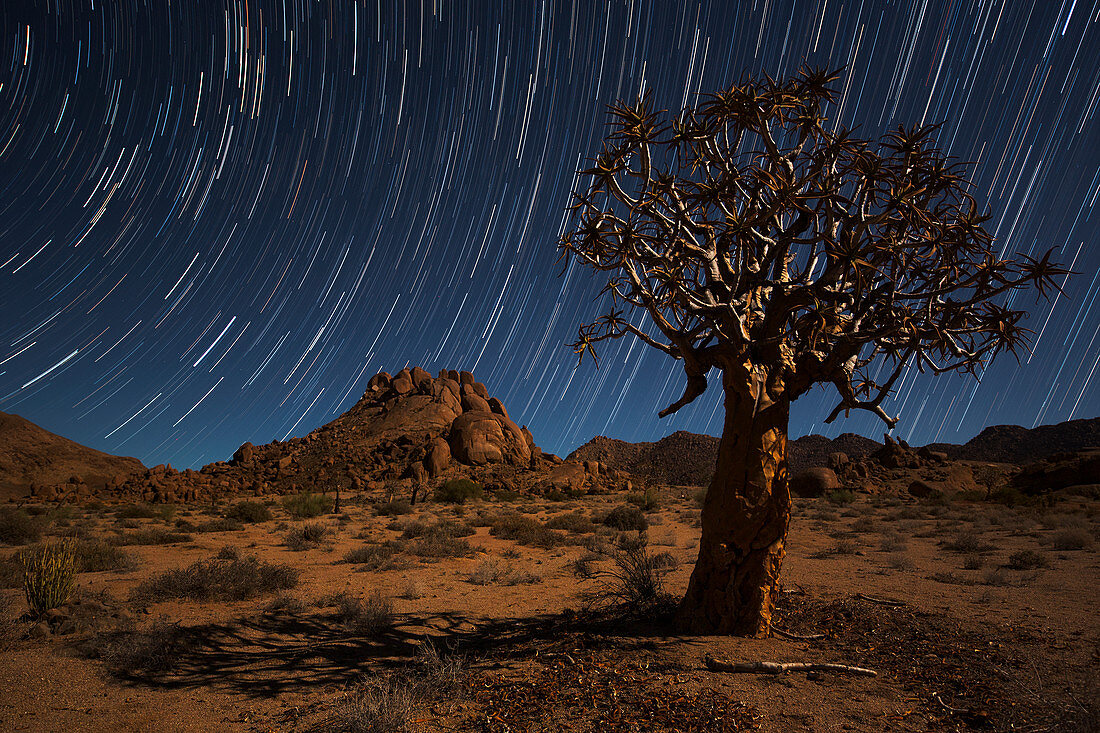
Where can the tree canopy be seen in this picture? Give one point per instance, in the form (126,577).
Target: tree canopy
(758,237)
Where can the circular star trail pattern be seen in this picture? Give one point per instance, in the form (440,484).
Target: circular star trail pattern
(217,221)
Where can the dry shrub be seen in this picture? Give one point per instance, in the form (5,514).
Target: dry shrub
(393,508)
(366,617)
(385,707)
(17,527)
(157,649)
(626,518)
(1026,560)
(153,536)
(634,582)
(968,543)
(372,557)
(249,512)
(228,577)
(440,528)
(307,536)
(525,530)
(93,556)
(840,547)
(575,522)
(285,603)
(491,572)
(1071,539)
(225,524)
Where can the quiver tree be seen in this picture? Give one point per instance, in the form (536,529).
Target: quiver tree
(783,253)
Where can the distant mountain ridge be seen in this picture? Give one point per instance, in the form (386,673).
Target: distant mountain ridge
(30,455)
(687,459)
(1015,444)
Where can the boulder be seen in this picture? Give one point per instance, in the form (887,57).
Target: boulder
(420,377)
(481,390)
(814,482)
(439,457)
(480,437)
(245,454)
(566,476)
(403,382)
(472,401)
(416,471)
(380,382)
(466,378)
(838,461)
(922,489)
(497,407)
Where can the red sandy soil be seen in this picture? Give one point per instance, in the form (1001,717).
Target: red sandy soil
(966,642)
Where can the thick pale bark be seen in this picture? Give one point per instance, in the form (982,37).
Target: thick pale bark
(745,516)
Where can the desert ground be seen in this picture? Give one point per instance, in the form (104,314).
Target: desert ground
(514,613)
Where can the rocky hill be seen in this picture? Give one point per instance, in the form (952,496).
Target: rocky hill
(31,456)
(687,459)
(408,430)
(1015,444)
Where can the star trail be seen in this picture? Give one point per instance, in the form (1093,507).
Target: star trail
(218,220)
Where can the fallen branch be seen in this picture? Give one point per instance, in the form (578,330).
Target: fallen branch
(797,637)
(880,601)
(720,665)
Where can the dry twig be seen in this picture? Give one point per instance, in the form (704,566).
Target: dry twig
(721,665)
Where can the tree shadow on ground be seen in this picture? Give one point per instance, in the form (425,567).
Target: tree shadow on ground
(275,652)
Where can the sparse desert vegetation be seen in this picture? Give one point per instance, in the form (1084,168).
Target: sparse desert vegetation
(253,576)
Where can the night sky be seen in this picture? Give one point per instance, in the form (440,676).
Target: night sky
(218,221)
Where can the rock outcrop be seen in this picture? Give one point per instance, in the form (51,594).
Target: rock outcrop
(409,429)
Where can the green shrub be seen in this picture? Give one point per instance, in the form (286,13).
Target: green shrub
(840,497)
(506,495)
(626,518)
(228,577)
(307,505)
(48,574)
(458,490)
(249,512)
(647,501)
(17,527)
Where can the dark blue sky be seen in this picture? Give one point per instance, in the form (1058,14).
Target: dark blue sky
(217,221)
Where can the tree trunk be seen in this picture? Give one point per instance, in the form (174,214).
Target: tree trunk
(745,516)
